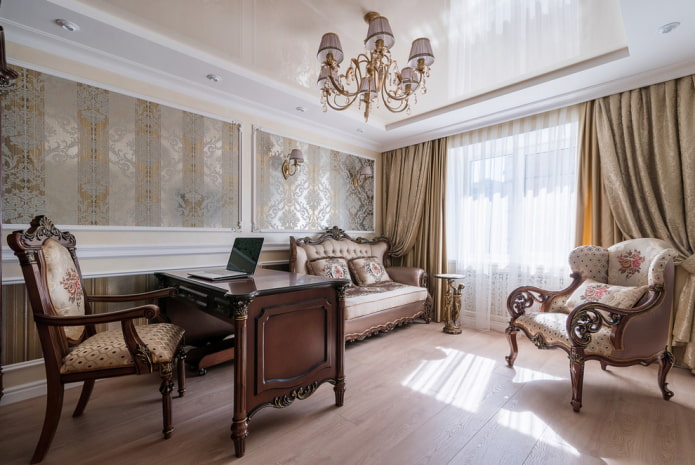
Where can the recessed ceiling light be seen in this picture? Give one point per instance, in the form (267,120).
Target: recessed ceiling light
(666,28)
(214,77)
(67,25)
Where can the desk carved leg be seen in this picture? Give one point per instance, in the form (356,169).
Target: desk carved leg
(339,390)
(240,424)
(240,429)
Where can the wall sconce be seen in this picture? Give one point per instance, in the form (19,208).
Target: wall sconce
(365,171)
(294,159)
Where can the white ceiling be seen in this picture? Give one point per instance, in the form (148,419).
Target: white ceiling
(265,51)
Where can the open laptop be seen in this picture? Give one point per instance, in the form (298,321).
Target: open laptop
(242,261)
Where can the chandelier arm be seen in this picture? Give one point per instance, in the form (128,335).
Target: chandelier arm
(331,102)
(399,106)
(413,89)
(338,88)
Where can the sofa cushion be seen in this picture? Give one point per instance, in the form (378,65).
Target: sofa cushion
(360,301)
(331,267)
(368,271)
(616,296)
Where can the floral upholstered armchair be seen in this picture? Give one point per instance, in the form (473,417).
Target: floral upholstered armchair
(617,310)
(74,349)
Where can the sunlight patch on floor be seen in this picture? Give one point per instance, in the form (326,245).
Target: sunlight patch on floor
(530,424)
(525,375)
(459,379)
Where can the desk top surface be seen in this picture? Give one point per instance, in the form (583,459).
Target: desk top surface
(264,281)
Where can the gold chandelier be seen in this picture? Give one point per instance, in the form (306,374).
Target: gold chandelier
(373,75)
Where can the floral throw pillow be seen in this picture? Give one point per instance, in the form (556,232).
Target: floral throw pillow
(368,271)
(332,268)
(616,296)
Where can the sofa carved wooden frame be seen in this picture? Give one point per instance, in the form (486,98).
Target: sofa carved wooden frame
(359,328)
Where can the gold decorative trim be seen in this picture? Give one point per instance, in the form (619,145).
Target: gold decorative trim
(143,354)
(240,308)
(539,341)
(299,393)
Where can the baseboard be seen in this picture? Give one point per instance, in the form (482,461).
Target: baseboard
(23,392)
(24,381)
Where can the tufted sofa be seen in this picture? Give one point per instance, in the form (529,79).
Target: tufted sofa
(381,297)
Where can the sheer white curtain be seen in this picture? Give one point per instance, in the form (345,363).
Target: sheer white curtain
(511,199)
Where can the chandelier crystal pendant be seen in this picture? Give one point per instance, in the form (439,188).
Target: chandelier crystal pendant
(373,76)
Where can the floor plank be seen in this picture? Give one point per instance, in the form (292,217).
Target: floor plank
(414,396)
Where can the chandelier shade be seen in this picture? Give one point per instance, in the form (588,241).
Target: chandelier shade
(421,48)
(373,78)
(379,29)
(330,45)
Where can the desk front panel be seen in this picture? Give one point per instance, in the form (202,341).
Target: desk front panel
(295,337)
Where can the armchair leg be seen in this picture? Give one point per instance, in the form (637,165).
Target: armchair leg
(87,388)
(665,364)
(54,405)
(181,371)
(577,376)
(165,373)
(514,349)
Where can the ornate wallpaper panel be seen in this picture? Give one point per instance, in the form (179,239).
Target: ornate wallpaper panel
(321,194)
(88,156)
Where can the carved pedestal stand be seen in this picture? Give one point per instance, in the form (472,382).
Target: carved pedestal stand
(452,303)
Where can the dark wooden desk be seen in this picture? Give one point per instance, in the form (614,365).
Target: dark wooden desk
(288,336)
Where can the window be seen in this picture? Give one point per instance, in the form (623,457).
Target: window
(511,205)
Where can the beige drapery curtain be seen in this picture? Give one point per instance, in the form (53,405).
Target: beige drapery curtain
(414,188)
(646,140)
(595,222)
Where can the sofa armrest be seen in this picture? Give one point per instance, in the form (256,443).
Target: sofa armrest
(408,275)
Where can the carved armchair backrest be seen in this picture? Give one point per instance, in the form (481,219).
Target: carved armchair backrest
(53,281)
(639,262)
(631,263)
(335,243)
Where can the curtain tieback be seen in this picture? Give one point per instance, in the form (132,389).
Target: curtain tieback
(688,264)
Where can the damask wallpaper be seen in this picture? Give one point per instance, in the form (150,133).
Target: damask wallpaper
(319,195)
(89,156)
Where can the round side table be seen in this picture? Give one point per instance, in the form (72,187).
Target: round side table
(452,303)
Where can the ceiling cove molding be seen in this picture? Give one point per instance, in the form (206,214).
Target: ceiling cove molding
(636,81)
(203,91)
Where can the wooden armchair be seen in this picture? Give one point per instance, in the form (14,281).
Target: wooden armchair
(73,350)
(617,310)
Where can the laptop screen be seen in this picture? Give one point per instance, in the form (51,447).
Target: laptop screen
(245,253)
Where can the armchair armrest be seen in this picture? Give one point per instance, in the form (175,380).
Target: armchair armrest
(408,275)
(137,348)
(588,318)
(525,297)
(145,311)
(156,294)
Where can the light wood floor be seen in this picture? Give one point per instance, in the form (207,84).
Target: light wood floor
(414,396)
